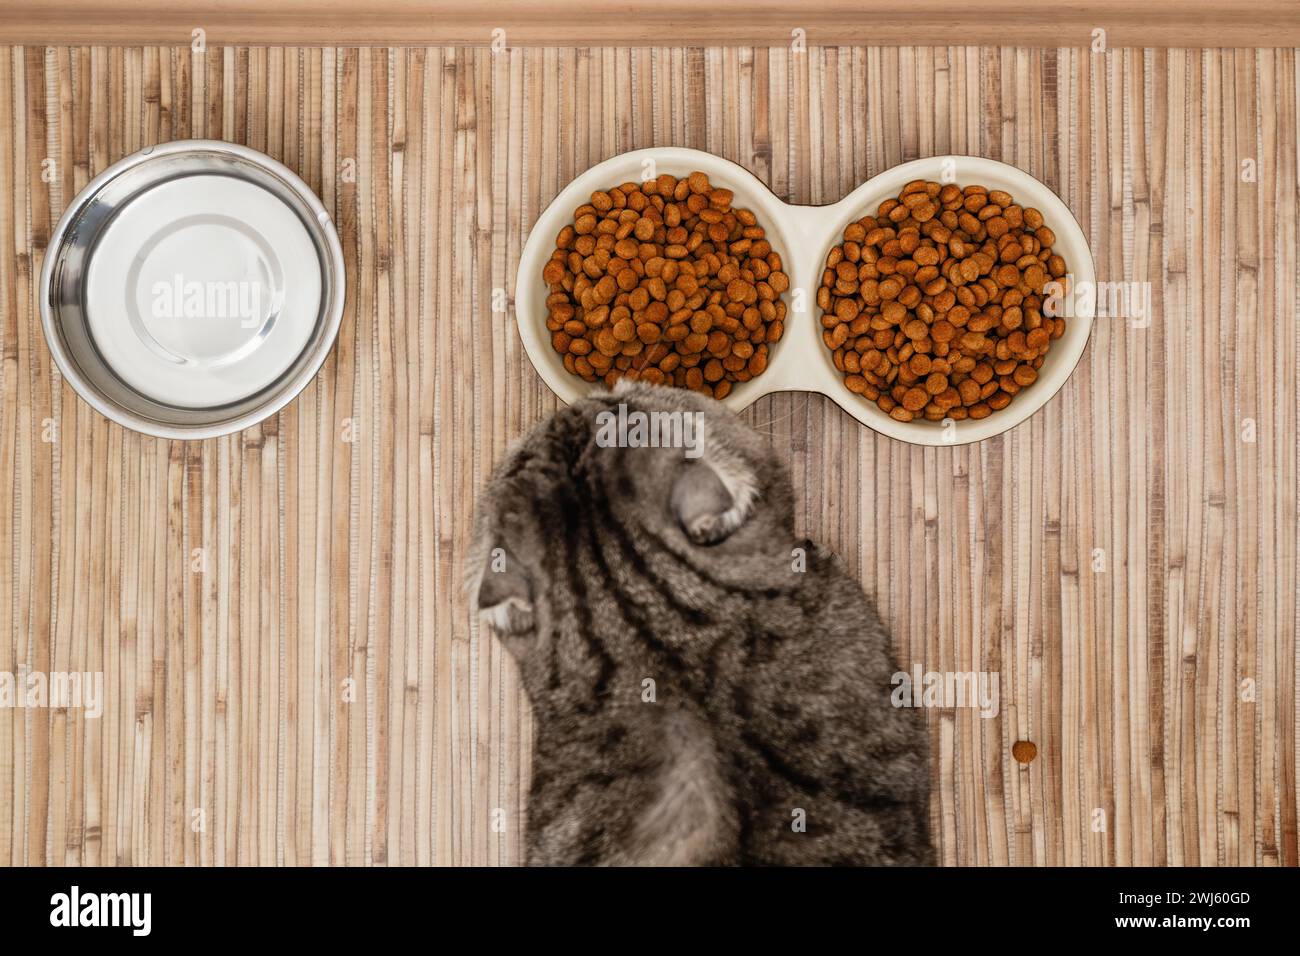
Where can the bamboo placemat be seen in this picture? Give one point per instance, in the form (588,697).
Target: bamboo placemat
(292,674)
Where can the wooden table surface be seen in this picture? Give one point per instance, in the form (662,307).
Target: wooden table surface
(291,672)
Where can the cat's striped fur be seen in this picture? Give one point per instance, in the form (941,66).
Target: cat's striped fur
(771,684)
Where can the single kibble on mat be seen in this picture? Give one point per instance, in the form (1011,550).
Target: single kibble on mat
(666,282)
(1024,751)
(937,306)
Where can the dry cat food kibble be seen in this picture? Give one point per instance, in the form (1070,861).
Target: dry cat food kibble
(664,281)
(933,308)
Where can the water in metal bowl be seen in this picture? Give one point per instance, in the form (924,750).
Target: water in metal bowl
(192,289)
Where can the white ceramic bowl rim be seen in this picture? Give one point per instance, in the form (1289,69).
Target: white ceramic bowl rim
(804,235)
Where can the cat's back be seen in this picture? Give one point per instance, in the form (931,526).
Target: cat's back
(827,770)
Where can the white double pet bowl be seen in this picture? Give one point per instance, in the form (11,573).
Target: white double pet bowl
(804,236)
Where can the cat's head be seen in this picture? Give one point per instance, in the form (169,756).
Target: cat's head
(597,489)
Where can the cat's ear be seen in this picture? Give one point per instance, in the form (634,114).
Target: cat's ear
(505,594)
(711,499)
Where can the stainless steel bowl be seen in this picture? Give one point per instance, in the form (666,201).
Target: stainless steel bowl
(192,289)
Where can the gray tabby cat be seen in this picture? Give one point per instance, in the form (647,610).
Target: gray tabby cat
(604,568)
